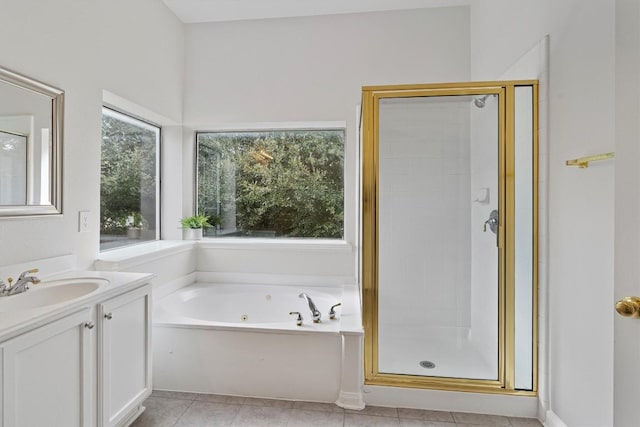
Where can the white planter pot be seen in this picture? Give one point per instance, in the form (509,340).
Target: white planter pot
(134,233)
(191,233)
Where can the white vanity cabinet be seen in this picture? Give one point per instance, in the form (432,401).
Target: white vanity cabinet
(124,359)
(89,367)
(46,374)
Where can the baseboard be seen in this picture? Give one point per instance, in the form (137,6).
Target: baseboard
(133,415)
(453,401)
(552,420)
(542,410)
(348,400)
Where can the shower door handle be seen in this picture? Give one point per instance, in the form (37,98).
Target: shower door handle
(492,222)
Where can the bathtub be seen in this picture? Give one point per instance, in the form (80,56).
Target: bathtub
(240,339)
(264,307)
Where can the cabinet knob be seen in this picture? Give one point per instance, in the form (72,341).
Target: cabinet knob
(89,325)
(108,316)
(629,307)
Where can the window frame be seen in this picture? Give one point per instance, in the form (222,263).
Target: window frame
(134,119)
(278,127)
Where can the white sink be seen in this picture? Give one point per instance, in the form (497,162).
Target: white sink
(50,293)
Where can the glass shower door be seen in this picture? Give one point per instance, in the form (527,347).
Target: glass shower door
(438,259)
(449,260)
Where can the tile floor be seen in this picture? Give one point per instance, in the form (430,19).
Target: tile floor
(169,409)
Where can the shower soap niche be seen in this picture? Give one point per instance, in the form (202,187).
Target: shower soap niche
(483,196)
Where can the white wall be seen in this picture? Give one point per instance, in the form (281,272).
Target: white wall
(312,69)
(133,49)
(580,204)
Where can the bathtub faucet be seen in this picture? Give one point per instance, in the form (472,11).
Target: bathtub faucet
(299,318)
(315,313)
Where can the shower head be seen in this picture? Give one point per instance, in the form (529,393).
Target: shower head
(481,101)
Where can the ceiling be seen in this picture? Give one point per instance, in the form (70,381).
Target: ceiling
(193,11)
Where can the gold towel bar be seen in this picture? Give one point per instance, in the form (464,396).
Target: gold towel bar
(583,162)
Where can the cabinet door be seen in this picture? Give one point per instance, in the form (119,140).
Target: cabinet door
(47,375)
(124,357)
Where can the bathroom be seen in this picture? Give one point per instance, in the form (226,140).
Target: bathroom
(173,78)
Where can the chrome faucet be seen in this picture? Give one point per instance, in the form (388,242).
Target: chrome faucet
(299,318)
(332,310)
(21,285)
(315,313)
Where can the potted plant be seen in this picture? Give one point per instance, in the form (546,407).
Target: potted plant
(135,225)
(192,226)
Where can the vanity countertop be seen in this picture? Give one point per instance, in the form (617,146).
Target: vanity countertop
(16,322)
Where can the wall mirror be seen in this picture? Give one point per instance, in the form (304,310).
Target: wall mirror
(31,125)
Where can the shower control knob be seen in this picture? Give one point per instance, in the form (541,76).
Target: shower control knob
(299,318)
(492,222)
(332,311)
(629,307)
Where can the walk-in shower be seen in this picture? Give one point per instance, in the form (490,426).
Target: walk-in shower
(449,201)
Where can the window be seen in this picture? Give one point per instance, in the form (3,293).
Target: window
(284,183)
(129,190)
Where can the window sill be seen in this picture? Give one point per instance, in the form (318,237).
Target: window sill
(130,256)
(127,257)
(257,244)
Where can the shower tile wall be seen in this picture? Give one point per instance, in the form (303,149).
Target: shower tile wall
(425,198)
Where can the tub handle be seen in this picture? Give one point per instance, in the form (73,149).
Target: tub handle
(332,312)
(299,319)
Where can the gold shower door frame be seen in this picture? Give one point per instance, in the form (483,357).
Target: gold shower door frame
(505,90)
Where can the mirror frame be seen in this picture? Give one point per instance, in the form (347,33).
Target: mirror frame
(57,125)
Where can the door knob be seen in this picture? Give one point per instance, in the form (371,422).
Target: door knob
(629,307)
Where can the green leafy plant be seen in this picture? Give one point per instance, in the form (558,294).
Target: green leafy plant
(287,184)
(196,221)
(135,220)
(128,175)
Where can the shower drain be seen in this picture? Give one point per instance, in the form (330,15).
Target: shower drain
(427,364)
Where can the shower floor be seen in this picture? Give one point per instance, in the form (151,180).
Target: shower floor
(402,348)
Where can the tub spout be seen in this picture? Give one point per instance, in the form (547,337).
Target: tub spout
(315,313)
